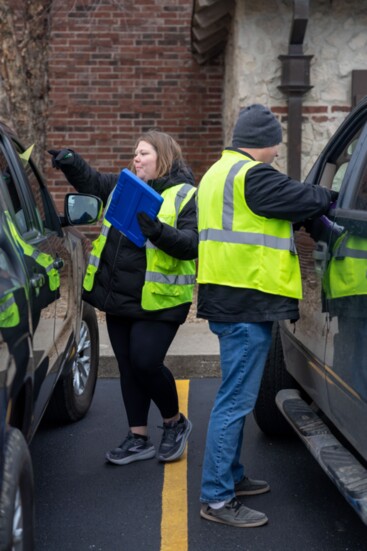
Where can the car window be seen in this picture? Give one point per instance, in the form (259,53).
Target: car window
(361,197)
(35,185)
(342,164)
(13,196)
(6,268)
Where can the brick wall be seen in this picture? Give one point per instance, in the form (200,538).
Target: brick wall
(119,68)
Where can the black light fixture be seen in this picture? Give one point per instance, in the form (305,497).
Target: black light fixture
(295,82)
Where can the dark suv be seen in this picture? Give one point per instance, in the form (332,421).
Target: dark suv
(316,373)
(49,344)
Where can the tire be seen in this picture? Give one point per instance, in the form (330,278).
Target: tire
(74,392)
(17,495)
(266,413)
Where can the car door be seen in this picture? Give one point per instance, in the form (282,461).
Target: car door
(29,226)
(345,288)
(16,362)
(69,250)
(309,344)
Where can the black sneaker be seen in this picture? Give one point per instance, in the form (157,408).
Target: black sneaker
(234,513)
(132,449)
(174,439)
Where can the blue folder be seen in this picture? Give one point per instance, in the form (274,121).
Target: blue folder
(130,196)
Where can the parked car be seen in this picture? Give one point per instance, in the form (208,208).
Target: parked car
(316,372)
(49,343)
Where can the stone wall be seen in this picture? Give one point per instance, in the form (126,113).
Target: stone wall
(336,37)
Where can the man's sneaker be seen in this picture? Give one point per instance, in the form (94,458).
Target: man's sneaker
(249,487)
(132,449)
(234,513)
(174,439)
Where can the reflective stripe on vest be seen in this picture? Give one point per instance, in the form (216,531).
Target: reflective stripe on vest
(95,255)
(246,238)
(169,281)
(9,312)
(44,260)
(346,274)
(237,247)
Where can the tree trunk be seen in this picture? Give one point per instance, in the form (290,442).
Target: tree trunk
(24,40)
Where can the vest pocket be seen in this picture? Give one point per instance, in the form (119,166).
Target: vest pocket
(162,263)
(163,289)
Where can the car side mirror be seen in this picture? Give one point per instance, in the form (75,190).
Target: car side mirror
(81,209)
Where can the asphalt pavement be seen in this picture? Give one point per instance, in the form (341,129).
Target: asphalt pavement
(86,504)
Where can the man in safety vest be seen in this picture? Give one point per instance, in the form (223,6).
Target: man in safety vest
(14,330)
(43,264)
(345,288)
(249,277)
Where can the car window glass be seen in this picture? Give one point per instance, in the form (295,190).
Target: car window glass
(13,197)
(35,186)
(361,198)
(5,266)
(342,164)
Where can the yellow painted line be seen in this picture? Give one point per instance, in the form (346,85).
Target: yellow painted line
(174,536)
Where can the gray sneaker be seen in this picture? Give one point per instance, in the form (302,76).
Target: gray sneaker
(132,449)
(249,487)
(174,439)
(234,513)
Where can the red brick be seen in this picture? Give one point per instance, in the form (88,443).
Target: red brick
(131,72)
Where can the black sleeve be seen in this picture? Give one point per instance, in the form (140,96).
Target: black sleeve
(86,179)
(272,194)
(181,242)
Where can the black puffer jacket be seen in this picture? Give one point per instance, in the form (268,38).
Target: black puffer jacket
(272,194)
(120,277)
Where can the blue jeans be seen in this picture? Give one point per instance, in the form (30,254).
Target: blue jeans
(243,352)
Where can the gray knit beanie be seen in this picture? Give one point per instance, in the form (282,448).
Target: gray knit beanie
(256,127)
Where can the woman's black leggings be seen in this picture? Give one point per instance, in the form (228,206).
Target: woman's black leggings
(140,348)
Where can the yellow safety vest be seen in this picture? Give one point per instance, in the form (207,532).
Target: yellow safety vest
(9,311)
(42,259)
(346,274)
(237,247)
(168,281)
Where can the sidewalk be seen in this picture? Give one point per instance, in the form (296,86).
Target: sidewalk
(193,353)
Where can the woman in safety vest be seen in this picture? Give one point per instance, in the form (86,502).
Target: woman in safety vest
(146,291)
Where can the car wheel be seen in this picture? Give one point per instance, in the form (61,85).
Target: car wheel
(267,415)
(74,392)
(16,498)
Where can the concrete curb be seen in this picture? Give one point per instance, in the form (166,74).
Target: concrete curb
(194,353)
(182,367)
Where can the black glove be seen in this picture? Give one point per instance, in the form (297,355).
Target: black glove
(60,157)
(333,196)
(149,228)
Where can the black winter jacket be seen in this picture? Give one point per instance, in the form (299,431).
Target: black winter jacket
(272,194)
(120,277)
